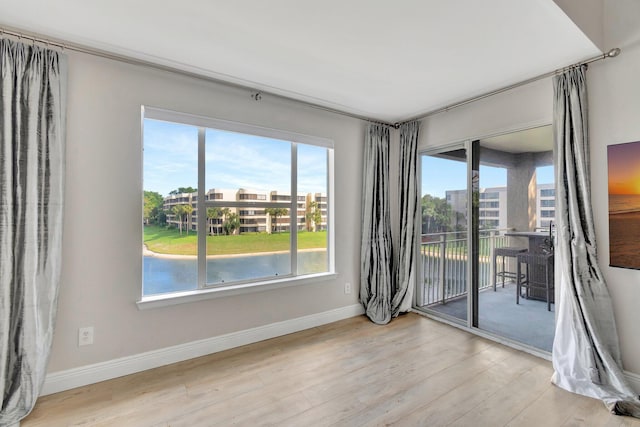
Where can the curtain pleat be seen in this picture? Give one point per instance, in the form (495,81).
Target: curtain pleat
(375,251)
(32,126)
(586,353)
(405,261)
(387,277)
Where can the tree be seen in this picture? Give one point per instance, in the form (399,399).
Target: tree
(152,207)
(181,190)
(436,214)
(181,212)
(313,216)
(161,218)
(225,213)
(213,213)
(275,213)
(178,212)
(188,210)
(231,223)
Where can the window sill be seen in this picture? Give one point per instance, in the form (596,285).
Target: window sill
(168,299)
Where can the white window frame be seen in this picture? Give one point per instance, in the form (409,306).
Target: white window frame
(205,291)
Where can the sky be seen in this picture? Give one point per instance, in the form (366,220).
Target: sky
(440,175)
(232,161)
(624,168)
(235,160)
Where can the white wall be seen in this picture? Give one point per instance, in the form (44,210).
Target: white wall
(523,107)
(614,102)
(101,277)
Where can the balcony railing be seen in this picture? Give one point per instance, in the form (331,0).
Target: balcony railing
(444,264)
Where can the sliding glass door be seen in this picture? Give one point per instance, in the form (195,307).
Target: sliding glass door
(487,207)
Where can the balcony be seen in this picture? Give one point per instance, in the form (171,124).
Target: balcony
(444,288)
(444,263)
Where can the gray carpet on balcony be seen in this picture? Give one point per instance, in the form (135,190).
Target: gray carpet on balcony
(528,322)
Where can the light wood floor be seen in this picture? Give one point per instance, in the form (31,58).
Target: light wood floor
(412,372)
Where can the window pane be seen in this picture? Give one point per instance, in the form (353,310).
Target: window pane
(253,164)
(249,238)
(312,209)
(170,176)
(443,241)
(247,243)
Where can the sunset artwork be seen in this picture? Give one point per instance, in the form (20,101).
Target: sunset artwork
(624,204)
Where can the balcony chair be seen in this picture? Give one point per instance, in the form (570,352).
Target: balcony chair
(505,252)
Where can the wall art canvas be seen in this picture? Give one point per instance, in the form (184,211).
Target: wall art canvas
(624,204)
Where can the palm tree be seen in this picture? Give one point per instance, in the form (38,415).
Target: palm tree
(275,213)
(188,210)
(178,212)
(213,213)
(313,216)
(225,212)
(231,223)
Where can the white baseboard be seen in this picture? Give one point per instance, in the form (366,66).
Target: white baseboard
(90,374)
(634,381)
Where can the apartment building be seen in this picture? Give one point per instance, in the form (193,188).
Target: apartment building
(252,218)
(546,205)
(493,206)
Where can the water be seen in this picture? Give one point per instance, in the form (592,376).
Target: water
(162,275)
(624,203)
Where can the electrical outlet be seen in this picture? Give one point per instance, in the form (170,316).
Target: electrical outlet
(347,288)
(85,336)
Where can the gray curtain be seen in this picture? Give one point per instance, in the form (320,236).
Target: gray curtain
(386,276)
(32,126)
(586,352)
(405,261)
(375,251)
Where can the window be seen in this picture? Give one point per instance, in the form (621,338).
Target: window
(494,205)
(491,195)
(548,192)
(491,214)
(218,198)
(548,203)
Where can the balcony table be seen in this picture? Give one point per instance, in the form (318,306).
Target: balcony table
(536,238)
(537,242)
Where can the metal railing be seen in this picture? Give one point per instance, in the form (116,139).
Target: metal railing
(444,264)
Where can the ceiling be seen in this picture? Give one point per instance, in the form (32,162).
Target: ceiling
(534,140)
(385,60)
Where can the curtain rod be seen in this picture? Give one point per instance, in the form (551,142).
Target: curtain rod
(610,54)
(256,94)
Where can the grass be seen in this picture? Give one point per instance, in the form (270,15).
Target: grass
(169,241)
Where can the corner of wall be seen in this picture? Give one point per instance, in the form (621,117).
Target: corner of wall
(588,15)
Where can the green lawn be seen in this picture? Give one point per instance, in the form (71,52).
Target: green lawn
(161,240)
